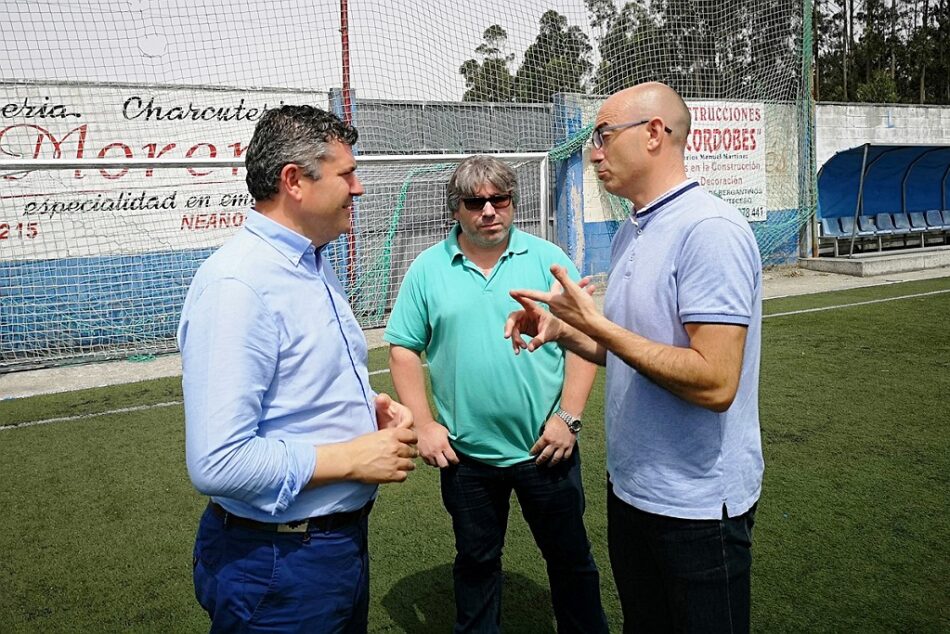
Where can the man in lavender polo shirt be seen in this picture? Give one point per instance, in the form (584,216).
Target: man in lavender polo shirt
(680,336)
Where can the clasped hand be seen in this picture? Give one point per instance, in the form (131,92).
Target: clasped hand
(387,455)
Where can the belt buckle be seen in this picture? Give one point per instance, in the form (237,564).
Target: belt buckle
(295,527)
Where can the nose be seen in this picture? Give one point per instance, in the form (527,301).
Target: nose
(356,187)
(489,213)
(596,154)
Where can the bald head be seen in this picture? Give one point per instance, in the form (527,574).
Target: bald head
(639,151)
(651,99)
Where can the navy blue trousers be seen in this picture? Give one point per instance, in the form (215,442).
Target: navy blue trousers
(250,580)
(678,575)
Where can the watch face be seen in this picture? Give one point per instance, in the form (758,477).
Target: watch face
(574,424)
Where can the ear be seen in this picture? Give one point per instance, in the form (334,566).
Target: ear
(657,129)
(289,181)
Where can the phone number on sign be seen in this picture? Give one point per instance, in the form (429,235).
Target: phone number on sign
(19,230)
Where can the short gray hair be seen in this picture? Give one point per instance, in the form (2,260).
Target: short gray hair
(473,173)
(291,134)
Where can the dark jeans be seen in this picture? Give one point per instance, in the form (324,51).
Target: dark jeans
(253,581)
(477,497)
(677,575)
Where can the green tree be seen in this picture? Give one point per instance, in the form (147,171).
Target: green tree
(557,61)
(489,79)
(941,73)
(831,51)
(746,50)
(631,44)
(880,88)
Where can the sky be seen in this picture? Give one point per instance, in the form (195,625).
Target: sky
(399,49)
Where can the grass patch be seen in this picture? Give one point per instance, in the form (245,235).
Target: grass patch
(851,533)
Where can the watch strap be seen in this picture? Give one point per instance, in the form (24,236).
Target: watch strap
(573,422)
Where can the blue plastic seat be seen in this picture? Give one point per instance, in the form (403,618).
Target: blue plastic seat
(935,223)
(867,226)
(830,227)
(847,226)
(831,231)
(917,221)
(934,219)
(885,224)
(946,225)
(904,225)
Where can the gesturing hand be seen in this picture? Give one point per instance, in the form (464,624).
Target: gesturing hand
(570,303)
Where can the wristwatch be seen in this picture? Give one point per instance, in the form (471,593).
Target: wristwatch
(573,423)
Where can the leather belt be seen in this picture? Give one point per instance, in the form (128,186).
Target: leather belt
(323,523)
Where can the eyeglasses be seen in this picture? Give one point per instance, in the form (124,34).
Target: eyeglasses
(597,138)
(478,203)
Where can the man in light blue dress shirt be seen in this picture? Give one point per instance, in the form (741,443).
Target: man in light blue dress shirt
(283,430)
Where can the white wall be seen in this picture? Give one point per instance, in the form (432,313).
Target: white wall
(839,126)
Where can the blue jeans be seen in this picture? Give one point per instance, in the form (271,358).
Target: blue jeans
(250,580)
(477,497)
(678,575)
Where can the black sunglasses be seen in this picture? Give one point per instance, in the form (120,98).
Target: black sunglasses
(478,203)
(597,138)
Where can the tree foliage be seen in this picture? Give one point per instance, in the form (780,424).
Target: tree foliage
(883,51)
(557,61)
(700,49)
(489,79)
(864,50)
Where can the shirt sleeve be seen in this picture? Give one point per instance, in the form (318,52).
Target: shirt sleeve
(408,324)
(230,346)
(715,274)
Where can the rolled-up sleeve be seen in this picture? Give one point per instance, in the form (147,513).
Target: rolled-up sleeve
(230,346)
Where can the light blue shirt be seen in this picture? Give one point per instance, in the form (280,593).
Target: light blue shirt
(688,258)
(274,363)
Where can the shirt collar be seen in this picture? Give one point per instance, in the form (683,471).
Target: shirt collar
(288,242)
(663,199)
(516,242)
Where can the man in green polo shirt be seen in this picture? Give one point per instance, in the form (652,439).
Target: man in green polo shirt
(505,422)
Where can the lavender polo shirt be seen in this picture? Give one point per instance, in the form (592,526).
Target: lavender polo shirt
(688,257)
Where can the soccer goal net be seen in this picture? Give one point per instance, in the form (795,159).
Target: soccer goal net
(123,126)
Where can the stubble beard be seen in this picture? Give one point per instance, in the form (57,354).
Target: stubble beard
(478,240)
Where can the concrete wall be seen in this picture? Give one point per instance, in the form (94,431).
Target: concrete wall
(839,126)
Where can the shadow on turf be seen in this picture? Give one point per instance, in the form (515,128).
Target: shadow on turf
(424,603)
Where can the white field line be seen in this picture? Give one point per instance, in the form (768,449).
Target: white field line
(870,301)
(122,410)
(140,408)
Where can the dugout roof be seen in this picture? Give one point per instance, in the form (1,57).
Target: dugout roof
(897,178)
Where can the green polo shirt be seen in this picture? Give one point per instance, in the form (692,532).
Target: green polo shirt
(492,401)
